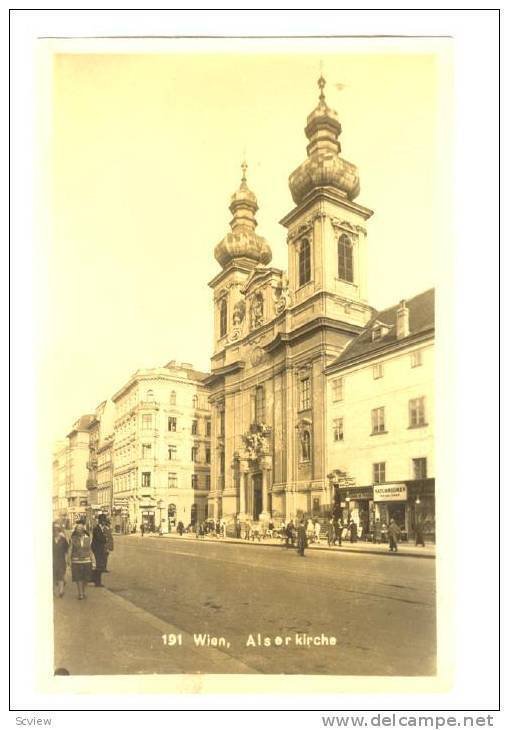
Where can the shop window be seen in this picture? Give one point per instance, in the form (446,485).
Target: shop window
(172,423)
(345,259)
(420,468)
(378,370)
(337,389)
(379,472)
(304,262)
(338,429)
(305,394)
(416,358)
(172,480)
(172,452)
(194,427)
(416,412)
(378,420)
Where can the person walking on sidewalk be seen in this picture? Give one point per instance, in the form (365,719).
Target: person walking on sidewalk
(109,543)
(60,548)
(394,534)
(142,528)
(302,538)
(419,534)
(99,550)
(81,559)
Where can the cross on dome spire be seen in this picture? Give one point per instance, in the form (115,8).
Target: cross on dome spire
(244,168)
(321,84)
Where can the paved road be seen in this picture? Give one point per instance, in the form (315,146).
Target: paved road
(380,609)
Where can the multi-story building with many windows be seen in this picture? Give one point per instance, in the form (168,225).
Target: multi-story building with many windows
(161,447)
(380,413)
(77,468)
(99,482)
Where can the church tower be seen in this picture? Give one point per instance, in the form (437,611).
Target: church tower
(326,232)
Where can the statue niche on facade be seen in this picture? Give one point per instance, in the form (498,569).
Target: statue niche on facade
(239,312)
(256,311)
(257,441)
(282,296)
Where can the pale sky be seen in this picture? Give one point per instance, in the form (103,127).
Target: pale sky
(146,154)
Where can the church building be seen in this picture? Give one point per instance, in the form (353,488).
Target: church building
(276,332)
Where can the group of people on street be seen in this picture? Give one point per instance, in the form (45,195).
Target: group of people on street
(86,555)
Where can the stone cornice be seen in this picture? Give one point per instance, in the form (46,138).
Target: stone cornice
(329,194)
(283,338)
(224,370)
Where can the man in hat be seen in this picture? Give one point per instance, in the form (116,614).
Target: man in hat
(109,542)
(99,549)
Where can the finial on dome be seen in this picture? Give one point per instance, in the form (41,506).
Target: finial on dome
(321,84)
(244,168)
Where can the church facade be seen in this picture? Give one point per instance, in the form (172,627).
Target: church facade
(276,332)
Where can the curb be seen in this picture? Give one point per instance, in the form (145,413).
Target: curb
(367,551)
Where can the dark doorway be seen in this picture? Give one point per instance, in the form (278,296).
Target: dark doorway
(257,495)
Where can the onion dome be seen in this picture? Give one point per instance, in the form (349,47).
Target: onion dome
(243,242)
(324,166)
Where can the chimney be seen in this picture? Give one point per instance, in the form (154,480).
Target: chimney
(402,320)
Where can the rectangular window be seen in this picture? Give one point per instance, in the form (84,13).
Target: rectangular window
(221,423)
(337,389)
(379,472)
(416,358)
(259,415)
(305,394)
(378,370)
(172,423)
(145,479)
(207,456)
(207,481)
(420,468)
(172,480)
(146,451)
(338,429)
(172,452)
(378,420)
(146,420)
(194,453)
(208,427)
(194,427)
(416,412)
(194,481)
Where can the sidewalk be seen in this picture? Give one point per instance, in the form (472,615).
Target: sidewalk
(404,549)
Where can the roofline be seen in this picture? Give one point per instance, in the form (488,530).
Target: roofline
(153,374)
(422,336)
(330,194)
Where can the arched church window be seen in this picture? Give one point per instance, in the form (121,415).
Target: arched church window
(259,404)
(306,446)
(345,259)
(304,262)
(173,398)
(223,317)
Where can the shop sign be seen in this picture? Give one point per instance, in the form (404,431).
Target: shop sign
(389,492)
(358,494)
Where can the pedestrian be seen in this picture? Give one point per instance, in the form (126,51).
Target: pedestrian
(331,533)
(353,531)
(302,538)
(377,534)
(394,533)
(142,529)
(81,558)
(317,531)
(60,548)
(247,530)
(98,546)
(419,533)
(180,528)
(290,537)
(109,543)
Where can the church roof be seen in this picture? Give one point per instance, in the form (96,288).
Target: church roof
(421,309)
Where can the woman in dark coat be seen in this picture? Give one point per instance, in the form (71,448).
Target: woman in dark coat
(99,548)
(81,559)
(60,548)
(302,538)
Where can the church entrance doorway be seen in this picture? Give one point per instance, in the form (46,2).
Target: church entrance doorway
(257,496)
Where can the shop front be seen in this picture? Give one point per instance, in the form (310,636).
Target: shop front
(355,505)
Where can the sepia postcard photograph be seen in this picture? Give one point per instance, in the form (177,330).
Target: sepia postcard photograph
(242,298)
